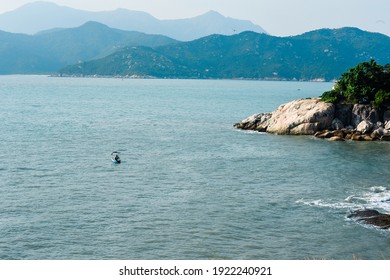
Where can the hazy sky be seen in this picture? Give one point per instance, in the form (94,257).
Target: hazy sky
(278,17)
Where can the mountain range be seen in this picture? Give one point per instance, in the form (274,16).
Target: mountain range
(47,52)
(41,16)
(94,48)
(318,55)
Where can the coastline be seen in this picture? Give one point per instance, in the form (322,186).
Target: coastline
(335,122)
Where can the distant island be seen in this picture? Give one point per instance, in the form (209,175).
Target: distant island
(357,108)
(321,55)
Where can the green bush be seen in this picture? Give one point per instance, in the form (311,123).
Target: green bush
(368,82)
(331,96)
(382,99)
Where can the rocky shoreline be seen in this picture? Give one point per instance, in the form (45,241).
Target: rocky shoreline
(335,122)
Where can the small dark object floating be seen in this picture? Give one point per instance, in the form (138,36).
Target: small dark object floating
(115,157)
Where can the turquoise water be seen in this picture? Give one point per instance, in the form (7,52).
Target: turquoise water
(190,186)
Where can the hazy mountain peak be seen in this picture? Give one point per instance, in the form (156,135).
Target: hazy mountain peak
(39,16)
(93,24)
(212,13)
(38,4)
(40,7)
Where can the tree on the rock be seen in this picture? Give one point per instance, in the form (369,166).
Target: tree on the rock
(368,82)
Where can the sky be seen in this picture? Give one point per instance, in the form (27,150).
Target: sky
(277,17)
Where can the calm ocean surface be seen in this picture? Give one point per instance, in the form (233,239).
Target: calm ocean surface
(190,185)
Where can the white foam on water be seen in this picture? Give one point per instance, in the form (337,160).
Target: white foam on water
(325,204)
(254,132)
(375,197)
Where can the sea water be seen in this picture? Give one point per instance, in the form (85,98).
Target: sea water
(190,186)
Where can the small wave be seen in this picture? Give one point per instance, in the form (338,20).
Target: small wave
(376,197)
(17,169)
(379,189)
(247,131)
(325,204)
(254,132)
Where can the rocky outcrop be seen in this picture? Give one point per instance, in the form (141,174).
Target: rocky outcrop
(304,116)
(299,117)
(324,120)
(371,217)
(258,122)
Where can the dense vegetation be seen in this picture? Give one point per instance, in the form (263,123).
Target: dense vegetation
(368,83)
(323,54)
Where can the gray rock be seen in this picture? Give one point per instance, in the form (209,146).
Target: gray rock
(257,122)
(379,125)
(387,125)
(363,112)
(337,124)
(378,132)
(365,126)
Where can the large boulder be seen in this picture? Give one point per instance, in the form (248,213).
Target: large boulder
(301,117)
(298,117)
(365,126)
